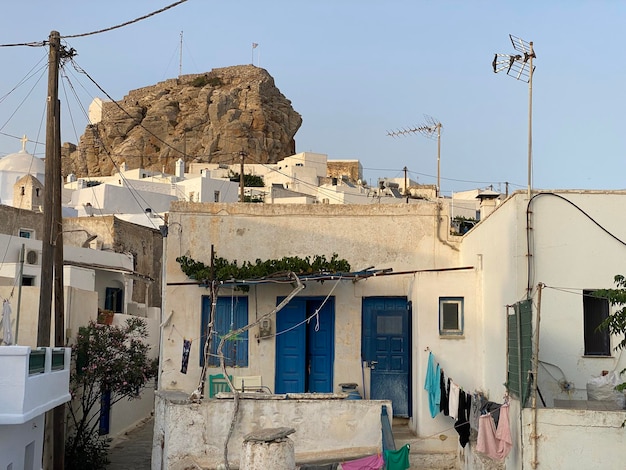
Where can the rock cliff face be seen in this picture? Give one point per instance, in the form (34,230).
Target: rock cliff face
(208,118)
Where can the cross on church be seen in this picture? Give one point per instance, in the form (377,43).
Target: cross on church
(24,139)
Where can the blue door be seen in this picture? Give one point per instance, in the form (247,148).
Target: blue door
(386,347)
(305,349)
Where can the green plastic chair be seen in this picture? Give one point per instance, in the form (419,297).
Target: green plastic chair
(217,384)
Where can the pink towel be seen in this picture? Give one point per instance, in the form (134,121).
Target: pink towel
(494,443)
(373,462)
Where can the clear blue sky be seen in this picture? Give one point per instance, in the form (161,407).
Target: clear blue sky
(355,69)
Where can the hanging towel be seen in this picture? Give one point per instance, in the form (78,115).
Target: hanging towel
(373,462)
(186,350)
(432,386)
(398,459)
(495,443)
(454,400)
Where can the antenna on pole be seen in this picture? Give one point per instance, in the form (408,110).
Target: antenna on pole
(520,66)
(432,130)
(180,60)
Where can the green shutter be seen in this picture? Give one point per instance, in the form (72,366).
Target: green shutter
(520,350)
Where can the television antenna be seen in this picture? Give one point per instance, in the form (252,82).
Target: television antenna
(431,129)
(520,66)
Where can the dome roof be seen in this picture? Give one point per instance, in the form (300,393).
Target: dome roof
(23,162)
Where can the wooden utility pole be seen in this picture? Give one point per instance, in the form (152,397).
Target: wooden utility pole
(59,412)
(242,155)
(52,239)
(49,229)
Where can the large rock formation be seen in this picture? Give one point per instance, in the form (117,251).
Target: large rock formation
(209,117)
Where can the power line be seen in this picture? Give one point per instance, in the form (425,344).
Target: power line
(28,44)
(136,20)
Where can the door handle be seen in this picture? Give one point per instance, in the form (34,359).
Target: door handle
(373,364)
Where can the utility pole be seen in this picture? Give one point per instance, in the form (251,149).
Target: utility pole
(49,230)
(406,188)
(242,155)
(51,254)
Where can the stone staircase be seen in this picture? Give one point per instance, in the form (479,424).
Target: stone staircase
(424,455)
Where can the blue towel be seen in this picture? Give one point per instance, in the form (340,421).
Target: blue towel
(432,385)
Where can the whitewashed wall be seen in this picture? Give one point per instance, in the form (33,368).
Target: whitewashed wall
(402,237)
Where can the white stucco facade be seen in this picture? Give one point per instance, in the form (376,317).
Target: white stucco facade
(567,242)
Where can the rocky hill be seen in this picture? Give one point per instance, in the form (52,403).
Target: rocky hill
(209,117)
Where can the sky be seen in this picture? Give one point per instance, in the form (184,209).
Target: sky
(356,70)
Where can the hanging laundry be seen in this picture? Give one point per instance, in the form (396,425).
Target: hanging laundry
(493,408)
(398,459)
(444,385)
(462,424)
(495,443)
(186,350)
(431,385)
(478,400)
(373,462)
(453,402)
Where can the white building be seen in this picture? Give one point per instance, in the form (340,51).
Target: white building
(13,167)
(32,382)
(129,193)
(458,298)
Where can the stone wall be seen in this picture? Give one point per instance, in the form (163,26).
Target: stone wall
(192,435)
(145,244)
(14,219)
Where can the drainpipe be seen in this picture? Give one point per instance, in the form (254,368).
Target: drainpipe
(534,435)
(19,293)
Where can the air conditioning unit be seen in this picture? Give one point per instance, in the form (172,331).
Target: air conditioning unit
(32,257)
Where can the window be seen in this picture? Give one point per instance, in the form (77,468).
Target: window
(216,196)
(25,233)
(451,316)
(595,311)
(231,314)
(28,281)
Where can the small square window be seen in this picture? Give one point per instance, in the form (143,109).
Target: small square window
(451,316)
(26,233)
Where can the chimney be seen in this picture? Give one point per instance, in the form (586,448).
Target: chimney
(488,202)
(180,168)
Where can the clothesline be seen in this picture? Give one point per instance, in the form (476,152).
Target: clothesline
(470,411)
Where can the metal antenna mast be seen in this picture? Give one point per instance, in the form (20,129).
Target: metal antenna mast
(520,66)
(432,130)
(180,60)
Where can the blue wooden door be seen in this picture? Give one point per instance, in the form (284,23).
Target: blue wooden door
(386,347)
(305,350)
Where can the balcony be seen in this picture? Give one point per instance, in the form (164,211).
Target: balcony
(32,381)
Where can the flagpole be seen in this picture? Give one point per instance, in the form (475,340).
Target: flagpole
(254,46)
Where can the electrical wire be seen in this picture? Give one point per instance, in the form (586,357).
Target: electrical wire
(136,20)
(530,230)
(28,44)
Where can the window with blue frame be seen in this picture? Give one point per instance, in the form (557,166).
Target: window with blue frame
(231,314)
(451,316)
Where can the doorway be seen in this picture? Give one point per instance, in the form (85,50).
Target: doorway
(305,344)
(386,348)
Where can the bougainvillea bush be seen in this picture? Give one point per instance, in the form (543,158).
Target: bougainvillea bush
(111,360)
